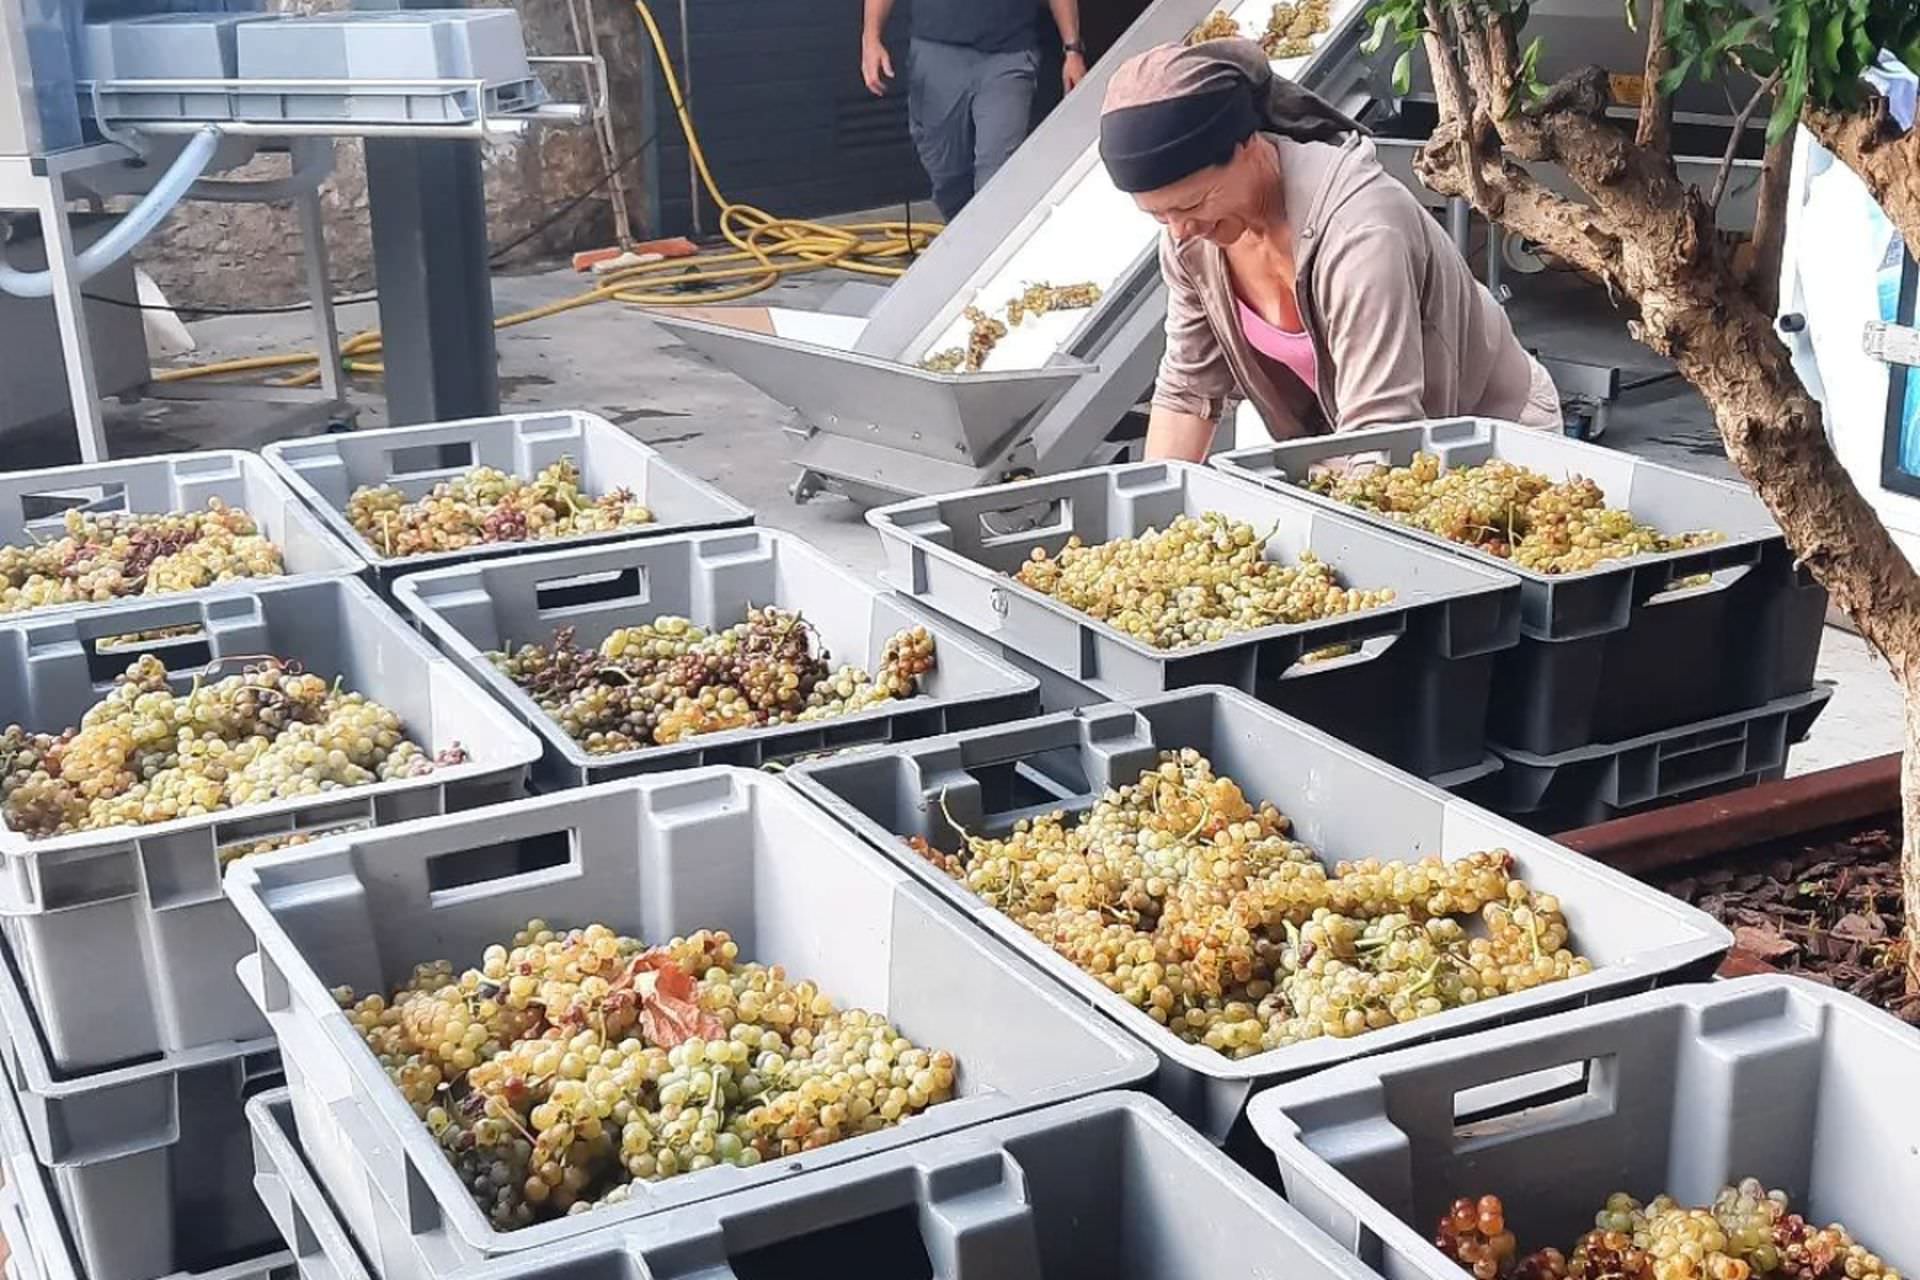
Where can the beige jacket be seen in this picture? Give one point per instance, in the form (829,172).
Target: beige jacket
(1401,328)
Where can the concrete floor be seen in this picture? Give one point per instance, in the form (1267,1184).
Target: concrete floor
(610,359)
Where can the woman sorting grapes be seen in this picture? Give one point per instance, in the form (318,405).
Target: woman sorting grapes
(1300,275)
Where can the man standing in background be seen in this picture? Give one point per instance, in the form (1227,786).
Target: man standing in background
(971,71)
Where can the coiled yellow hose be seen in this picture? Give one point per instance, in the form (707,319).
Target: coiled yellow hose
(764,249)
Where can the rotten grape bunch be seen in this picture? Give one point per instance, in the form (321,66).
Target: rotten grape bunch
(670,680)
(1199,908)
(1747,1233)
(1199,580)
(107,557)
(485,505)
(146,754)
(573,1063)
(1506,510)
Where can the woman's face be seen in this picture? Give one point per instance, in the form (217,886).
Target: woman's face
(1214,204)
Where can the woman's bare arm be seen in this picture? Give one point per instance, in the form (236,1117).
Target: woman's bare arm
(1180,437)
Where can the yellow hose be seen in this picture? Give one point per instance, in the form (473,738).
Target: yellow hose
(764,249)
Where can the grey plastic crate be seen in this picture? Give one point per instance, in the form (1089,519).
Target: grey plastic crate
(322,1249)
(446,48)
(125,941)
(148,1165)
(713,578)
(326,471)
(721,848)
(1596,784)
(1415,693)
(1111,1186)
(1681,1091)
(1617,651)
(36,1236)
(162,46)
(32,503)
(1342,803)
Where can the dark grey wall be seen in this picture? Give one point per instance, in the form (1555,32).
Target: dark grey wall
(783,117)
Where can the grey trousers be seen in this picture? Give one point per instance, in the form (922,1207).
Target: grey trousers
(968,111)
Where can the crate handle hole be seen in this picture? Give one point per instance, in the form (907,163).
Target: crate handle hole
(181,646)
(1691,586)
(629,584)
(1549,1098)
(888,1244)
(511,865)
(1333,657)
(409,460)
(47,508)
(1027,522)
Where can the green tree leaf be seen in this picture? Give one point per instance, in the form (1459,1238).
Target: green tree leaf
(1383,18)
(1833,37)
(1403,72)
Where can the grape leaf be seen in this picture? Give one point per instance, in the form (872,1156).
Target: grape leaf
(670,1014)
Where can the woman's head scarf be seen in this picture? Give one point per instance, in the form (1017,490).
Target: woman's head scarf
(1175,110)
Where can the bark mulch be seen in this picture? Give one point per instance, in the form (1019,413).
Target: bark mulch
(1827,909)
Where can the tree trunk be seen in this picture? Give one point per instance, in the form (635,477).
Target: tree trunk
(1774,435)
(1651,237)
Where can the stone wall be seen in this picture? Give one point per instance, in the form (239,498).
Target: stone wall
(225,255)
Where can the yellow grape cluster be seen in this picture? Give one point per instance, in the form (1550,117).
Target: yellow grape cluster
(108,557)
(573,1063)
(487,505)
(1747,1233)
(1200,908)
(1501,508)
(146,753)
(1201,579)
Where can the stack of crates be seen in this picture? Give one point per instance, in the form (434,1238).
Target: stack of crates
(1413,680)
(1634,684)
(132,1048)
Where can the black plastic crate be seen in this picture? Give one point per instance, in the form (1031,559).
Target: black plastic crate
(1631,647)
(1414,689)
(1597,784)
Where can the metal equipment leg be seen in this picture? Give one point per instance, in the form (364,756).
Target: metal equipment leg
(76,349)
(430,263)
(1460,224)
(326,329)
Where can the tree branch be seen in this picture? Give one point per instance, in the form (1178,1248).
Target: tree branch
(1471,31)
(1759,264)
(1656,110)
(1575,233)
(1449,90)
(1725,172)
(1871,143)
(1456,102)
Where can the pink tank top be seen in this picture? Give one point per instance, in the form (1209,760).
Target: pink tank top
(1294,350)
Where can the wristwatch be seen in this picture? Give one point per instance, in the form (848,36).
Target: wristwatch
(1074,46)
